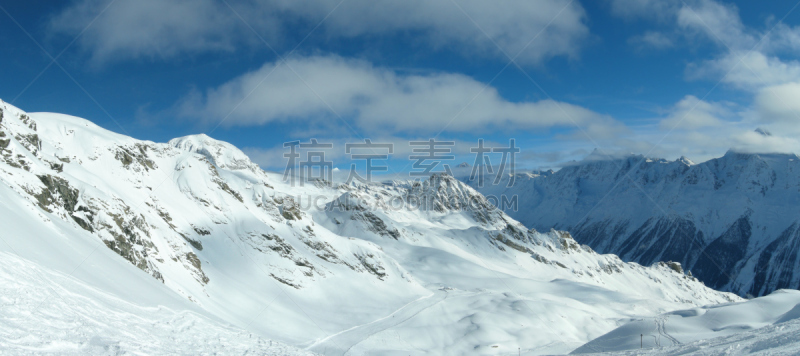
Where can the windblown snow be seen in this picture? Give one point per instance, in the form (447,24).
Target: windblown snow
(112,244)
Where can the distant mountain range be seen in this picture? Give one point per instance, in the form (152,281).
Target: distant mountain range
(733,221)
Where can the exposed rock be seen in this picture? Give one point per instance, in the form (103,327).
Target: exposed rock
(372,266)
(285,281)
(201,231)
(136,154)
(31,143)
(196,244)
(195,262)
(675,266)
(375,224)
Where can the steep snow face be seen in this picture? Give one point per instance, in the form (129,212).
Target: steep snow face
(732,221)
(734,328)
(413,267)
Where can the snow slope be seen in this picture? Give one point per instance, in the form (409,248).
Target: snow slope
(762,325)
(779,339)
(44,311)
(193,225)
(732,221)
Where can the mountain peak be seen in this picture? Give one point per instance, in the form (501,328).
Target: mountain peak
(685,161)
(763,131)
(220,153)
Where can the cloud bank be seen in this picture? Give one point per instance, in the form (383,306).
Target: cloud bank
(375,99)
(166,28)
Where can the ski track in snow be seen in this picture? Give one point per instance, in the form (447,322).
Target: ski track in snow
(775,340)
(767,325)
(661,325)
(342,342)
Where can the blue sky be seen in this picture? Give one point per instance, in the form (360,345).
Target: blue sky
(662,78)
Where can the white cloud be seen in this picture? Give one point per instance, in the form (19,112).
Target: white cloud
(698,20)
(650,9)
(376,99)
(781,104)
(704,17)
(707,129)
(749,58)
(698,144)
(753,142)
(717,22)
(692,113)
(148,28)
(782,39)
(154,28)
(749,71)
(652,39)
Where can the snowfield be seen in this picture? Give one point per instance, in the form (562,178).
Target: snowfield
(113,245)
(768,325)
(47,312)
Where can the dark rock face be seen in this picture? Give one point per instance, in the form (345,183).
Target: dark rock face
(778,263)
(58,192)
(717,263)
(136,154)
(129,234)
(656,240)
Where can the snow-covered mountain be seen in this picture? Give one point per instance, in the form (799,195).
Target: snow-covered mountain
(732,221)
(148,231)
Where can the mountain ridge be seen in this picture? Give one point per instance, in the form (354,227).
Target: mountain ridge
(646,210)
